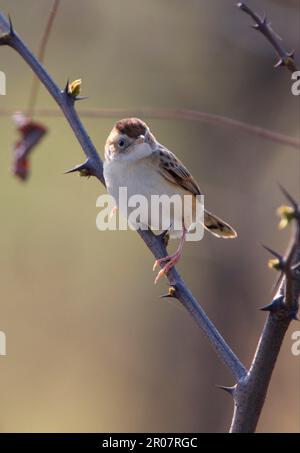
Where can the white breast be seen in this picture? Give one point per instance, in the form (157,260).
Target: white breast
(140,178)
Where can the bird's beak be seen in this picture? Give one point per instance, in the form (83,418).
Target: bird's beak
(112,149)
(140,140)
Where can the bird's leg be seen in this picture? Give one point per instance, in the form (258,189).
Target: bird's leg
(171,259)
(112,213)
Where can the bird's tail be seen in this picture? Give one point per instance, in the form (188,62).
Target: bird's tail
(218,227)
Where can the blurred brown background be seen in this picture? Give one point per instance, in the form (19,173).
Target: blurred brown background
(90,346)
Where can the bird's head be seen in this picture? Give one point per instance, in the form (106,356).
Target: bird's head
(129,139)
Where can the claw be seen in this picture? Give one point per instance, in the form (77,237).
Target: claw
(155,265)
(159,275)
(161,260)
(112,213)
(172,259)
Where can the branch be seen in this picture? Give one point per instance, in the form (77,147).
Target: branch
(175,114)
(41,55)
(249,393)
(263,26)
(94,166)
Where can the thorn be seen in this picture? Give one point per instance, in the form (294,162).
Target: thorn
(272,252)
(289,197)
(255,26)
(164,236)
(66,89)
(171,293)
(165,296)
(296,271)
(80,98)
(7,32)
(83,169)
(277,284)
(226,389)
(11,27)
(242,6)
(279,63)
(264,21)
(275,305)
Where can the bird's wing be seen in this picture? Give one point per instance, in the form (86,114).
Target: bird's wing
(172,169)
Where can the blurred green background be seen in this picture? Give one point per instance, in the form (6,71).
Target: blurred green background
(90,346)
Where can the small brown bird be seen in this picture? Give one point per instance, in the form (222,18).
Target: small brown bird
(136,160)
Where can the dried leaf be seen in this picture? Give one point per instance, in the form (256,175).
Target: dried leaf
(31,133)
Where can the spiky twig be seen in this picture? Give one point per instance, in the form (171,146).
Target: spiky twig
(264,26)
(249,393)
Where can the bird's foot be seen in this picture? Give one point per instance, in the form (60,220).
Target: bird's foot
(171,260)
(112,213)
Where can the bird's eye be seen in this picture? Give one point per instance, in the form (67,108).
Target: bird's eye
(122,143)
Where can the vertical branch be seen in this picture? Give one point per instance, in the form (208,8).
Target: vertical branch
(41,55)
(249,394)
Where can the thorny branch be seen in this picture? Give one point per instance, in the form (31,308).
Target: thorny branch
(286,59)
(249,393)
(251,385)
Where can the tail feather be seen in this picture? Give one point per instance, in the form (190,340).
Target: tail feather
(218,227)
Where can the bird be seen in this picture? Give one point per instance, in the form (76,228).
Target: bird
(135,160)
